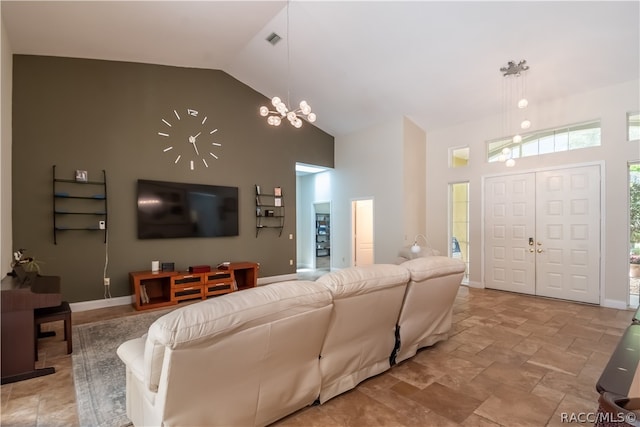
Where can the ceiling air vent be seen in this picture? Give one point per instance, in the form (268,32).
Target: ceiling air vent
(273,38)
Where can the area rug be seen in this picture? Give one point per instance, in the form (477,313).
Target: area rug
(98,372)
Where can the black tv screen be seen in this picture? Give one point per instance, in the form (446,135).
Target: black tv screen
(173,209)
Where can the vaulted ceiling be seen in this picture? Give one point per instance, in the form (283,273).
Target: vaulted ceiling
(356,63)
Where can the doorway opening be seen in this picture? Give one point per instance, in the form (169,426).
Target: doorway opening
(322,236)
(362,240)
(459,224)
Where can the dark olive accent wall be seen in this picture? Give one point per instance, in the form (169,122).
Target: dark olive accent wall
(94,115)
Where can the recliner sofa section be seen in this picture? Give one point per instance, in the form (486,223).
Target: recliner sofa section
(250,358)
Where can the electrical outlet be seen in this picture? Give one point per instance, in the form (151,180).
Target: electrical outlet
(107,281)
(290,262)
(101,225)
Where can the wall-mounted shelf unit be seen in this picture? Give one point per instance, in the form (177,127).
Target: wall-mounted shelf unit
(79,205)
(269,210)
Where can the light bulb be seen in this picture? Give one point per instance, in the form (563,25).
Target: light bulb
(506,151)
(415,248)
(297,123)
(303,104)
(281,108)
(311,117)
(264,111)
(510,163)
(291,116)
(276,120)
(523,103)
(526,124)
(275,101)
(517,139)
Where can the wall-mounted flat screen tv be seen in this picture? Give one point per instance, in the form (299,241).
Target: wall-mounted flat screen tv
(174,209)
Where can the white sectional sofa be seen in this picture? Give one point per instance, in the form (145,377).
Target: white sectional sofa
(252,357)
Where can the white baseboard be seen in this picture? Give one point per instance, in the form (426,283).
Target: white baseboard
(612,303)
(101,303)
(130,299)
(274,279)
(474,284)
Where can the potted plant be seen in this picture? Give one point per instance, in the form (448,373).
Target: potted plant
(634,266)
(28,263)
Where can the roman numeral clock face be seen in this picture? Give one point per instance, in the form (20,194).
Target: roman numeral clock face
(188,139)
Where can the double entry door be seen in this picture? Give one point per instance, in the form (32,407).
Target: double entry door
(542,233)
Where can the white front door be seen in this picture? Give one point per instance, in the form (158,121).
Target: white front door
(568,234)
(542,233)
(509,226)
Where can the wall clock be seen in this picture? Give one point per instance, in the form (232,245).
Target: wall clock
(188,138)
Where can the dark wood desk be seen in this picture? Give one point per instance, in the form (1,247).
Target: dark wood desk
(18,331)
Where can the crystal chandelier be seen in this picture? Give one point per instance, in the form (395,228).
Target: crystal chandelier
(294,115)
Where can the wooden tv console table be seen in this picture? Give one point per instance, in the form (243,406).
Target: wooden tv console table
(166,288)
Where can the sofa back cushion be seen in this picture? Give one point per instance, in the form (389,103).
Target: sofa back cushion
(360,337)
(426,314)
(220,317)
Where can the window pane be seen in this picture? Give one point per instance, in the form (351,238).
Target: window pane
(633,123)
(583,138)
(459,157)
(530,148)
(561,141)
(546,144)
(554,140)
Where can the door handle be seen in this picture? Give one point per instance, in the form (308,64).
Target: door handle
(531,250)
(539,250)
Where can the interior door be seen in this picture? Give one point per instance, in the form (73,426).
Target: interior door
(362,214)
(542,233)
(568,234)
(509,223)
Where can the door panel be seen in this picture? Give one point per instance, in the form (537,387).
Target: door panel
(509,222)
(363,232)
(568,224)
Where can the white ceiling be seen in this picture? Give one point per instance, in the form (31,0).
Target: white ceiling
(356,63)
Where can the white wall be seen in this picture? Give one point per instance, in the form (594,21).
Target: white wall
(415,182)
(610,105)
(6,83)
(385,163)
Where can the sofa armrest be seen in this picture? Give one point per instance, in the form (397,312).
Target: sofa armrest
(132,354)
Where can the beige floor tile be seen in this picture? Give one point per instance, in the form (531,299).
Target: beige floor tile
(451,404)
(512,407)
(510,360)
(560,361)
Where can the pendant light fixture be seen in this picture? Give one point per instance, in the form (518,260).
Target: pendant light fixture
(514,96)
(281,110)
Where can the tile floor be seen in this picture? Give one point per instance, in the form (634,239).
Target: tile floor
(511,360)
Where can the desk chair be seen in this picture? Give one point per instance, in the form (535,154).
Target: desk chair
(52,314)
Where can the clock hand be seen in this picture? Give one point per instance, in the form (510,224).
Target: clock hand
(197,135)
(192,140)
